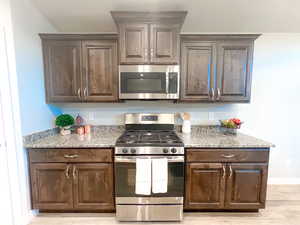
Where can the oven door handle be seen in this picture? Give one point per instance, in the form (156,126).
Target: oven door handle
(132,159)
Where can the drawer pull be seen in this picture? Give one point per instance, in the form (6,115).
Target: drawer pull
(228,156)
(70,156)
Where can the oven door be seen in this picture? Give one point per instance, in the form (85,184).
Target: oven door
(125,171)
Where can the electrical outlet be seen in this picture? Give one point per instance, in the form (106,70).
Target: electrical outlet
(211,115)
(91,116)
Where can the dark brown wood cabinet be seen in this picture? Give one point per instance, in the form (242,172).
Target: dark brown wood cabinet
(234,71)
(62,70)
(198,64)
(83,182)
(80,68)
(134,43)
(216,68)
(205,186)
(226,179)
(246,185)
(51,186)
(93,186)
(164,44)
(100,79)
(149,37)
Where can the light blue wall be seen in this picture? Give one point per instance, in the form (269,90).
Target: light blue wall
(36,115)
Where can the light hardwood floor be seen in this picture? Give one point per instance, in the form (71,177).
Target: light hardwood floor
(283,208)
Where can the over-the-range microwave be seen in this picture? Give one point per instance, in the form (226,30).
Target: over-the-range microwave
(149,82)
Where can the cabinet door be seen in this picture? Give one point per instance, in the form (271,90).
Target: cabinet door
(100,71)
(62,70)
(134,44)
(51,186)
(164,44)
(205,186)
(198,62)
(234,71)
(93,186)
(246,186)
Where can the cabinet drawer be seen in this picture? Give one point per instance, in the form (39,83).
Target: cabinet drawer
(70,155)
(227,155)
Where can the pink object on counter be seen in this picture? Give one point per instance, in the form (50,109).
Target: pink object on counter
(80,130)
(87,129)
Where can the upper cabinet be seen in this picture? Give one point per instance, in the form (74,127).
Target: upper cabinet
(133,43)
(80,68)
(149,37)
(216,68)
(234,70)
(62,70)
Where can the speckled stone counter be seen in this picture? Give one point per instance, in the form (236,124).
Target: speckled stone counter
(100,137)
(106,136)
(212,137)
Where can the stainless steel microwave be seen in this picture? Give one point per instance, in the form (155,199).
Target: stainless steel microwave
(149,82)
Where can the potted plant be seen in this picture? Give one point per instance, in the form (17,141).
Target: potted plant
(64,122)
(231,125)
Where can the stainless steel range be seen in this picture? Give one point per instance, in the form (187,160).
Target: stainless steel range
(149,137)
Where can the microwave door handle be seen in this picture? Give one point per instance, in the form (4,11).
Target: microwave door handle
(167,82)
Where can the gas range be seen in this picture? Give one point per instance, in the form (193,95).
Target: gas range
(149,142)
(149,137)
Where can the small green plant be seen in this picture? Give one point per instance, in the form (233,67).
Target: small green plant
(64,120)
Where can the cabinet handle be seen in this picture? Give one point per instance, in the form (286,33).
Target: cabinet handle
(230,168)
(228,156)
(67,172)
(152,52)
(212,94)
(74,172)
(71,156)
(79,93)
(85,92)
(146,53)
(218,94)
(224,172)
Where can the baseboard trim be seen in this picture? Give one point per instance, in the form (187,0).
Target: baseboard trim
(283,181)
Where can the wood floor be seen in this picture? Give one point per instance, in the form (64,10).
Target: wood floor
(283,208)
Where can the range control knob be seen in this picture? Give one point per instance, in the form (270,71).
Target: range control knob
(173,150)
(165,150)
(133,150)
(125,150)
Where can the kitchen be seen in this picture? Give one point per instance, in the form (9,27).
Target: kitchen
(158,100)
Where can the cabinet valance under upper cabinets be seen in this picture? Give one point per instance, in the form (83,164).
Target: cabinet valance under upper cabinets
(149,37)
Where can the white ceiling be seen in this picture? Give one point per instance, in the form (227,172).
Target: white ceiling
(242,16)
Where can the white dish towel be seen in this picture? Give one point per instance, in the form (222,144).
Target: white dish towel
(143,176)
(160,175)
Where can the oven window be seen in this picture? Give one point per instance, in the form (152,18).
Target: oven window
(125,180)
(147,82)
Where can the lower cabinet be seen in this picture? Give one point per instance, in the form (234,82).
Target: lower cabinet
(246,186)
(205,186)
(233,183)
(72,185)
(93,186)
(51,186)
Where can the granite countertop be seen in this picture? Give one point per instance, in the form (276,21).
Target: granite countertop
(211,137)
(106,136)
(100,137)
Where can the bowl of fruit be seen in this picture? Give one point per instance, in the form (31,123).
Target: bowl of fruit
(230,126)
